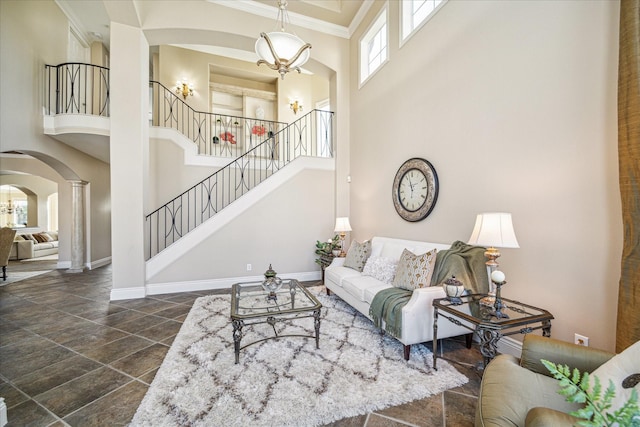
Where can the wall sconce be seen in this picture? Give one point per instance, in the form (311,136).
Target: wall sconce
(295,106)
(184,88)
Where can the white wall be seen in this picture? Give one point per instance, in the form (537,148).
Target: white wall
(514,103)
(281,229)
(33,34)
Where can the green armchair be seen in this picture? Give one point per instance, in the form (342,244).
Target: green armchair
(521,392)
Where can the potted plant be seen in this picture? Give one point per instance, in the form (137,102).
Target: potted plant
(326,251)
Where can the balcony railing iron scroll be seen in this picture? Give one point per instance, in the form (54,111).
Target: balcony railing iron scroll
(311,135)
(214,134)
(76,88)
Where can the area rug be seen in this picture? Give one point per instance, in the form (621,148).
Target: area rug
(285,381)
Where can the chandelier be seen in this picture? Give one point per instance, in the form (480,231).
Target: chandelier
(274,48)
(9,208)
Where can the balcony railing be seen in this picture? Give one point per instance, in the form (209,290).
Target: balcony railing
(76,88)
(311,135)
(214,134)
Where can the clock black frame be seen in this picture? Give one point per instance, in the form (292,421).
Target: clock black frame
(427,169)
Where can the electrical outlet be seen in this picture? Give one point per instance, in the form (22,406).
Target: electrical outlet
(581,340)
(249,267)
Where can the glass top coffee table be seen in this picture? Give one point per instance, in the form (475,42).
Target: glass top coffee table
(471,313)
(252,305)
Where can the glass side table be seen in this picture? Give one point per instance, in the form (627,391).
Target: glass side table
(480,318)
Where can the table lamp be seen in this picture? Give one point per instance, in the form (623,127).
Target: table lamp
(342,226)
(493,230)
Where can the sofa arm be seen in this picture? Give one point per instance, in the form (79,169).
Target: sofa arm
(417,318)
(25,249)
(545,417)
(583,358)
(337,262)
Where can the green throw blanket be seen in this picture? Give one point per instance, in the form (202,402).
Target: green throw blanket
(387,305)
(465,262)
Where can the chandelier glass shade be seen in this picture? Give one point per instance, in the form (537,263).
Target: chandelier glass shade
(282,51)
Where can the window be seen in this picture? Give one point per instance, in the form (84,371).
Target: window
(373,47)
(415,13)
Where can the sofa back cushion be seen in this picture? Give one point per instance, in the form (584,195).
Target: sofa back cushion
(357,255)
(389,247)
(415,271)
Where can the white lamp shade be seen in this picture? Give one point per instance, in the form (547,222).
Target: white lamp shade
(286,46)
(342,224)
(494,230)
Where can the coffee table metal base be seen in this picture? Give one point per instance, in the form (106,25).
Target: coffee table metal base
(272,320)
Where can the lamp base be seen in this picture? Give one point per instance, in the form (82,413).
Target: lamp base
(489,300)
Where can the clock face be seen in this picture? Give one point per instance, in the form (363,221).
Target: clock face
(415,189)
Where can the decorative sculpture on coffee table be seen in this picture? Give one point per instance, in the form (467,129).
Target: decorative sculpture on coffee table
(454,290)
(271,283)
(497,277)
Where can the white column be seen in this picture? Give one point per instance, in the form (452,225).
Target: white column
(129,145)
(77,226)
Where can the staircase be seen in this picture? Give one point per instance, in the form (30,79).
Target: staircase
(256,149)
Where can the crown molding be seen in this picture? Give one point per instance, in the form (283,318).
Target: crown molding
(297,19)
(357,20)
(74,22)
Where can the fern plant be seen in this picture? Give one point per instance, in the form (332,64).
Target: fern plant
(597,410)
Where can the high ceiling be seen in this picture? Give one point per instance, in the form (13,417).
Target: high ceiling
(92,20)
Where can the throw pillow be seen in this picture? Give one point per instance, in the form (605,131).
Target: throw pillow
(381,268)
(39,238)
(46,237)
(620,367)
(18,238)
(415,271)
(53,234)
(357,255)
(29,237)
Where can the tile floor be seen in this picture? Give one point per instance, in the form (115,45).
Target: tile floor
(69,356)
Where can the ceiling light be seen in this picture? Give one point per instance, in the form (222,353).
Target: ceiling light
(275,47)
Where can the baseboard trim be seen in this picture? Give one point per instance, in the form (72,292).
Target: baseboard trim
(127,293)
(508,345)
(92,265)
(225,283)
(63,265)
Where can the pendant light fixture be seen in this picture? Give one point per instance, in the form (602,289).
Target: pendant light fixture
(275,47)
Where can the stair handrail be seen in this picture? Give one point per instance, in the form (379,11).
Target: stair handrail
(214,134)
(310,135)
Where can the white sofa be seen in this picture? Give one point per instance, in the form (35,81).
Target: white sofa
(358,291)
(24,248)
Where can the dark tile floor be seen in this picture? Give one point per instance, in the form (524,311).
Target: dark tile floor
(69,356)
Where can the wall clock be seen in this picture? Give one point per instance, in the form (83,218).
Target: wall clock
(415,189)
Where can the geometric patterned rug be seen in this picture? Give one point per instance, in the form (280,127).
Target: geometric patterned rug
(285,381)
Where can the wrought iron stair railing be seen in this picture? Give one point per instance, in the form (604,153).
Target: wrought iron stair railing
(214,134)
(78,88)
(311,135)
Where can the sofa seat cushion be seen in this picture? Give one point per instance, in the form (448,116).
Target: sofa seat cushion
(41,246)
(357,286)
(336,274)
(371,291)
